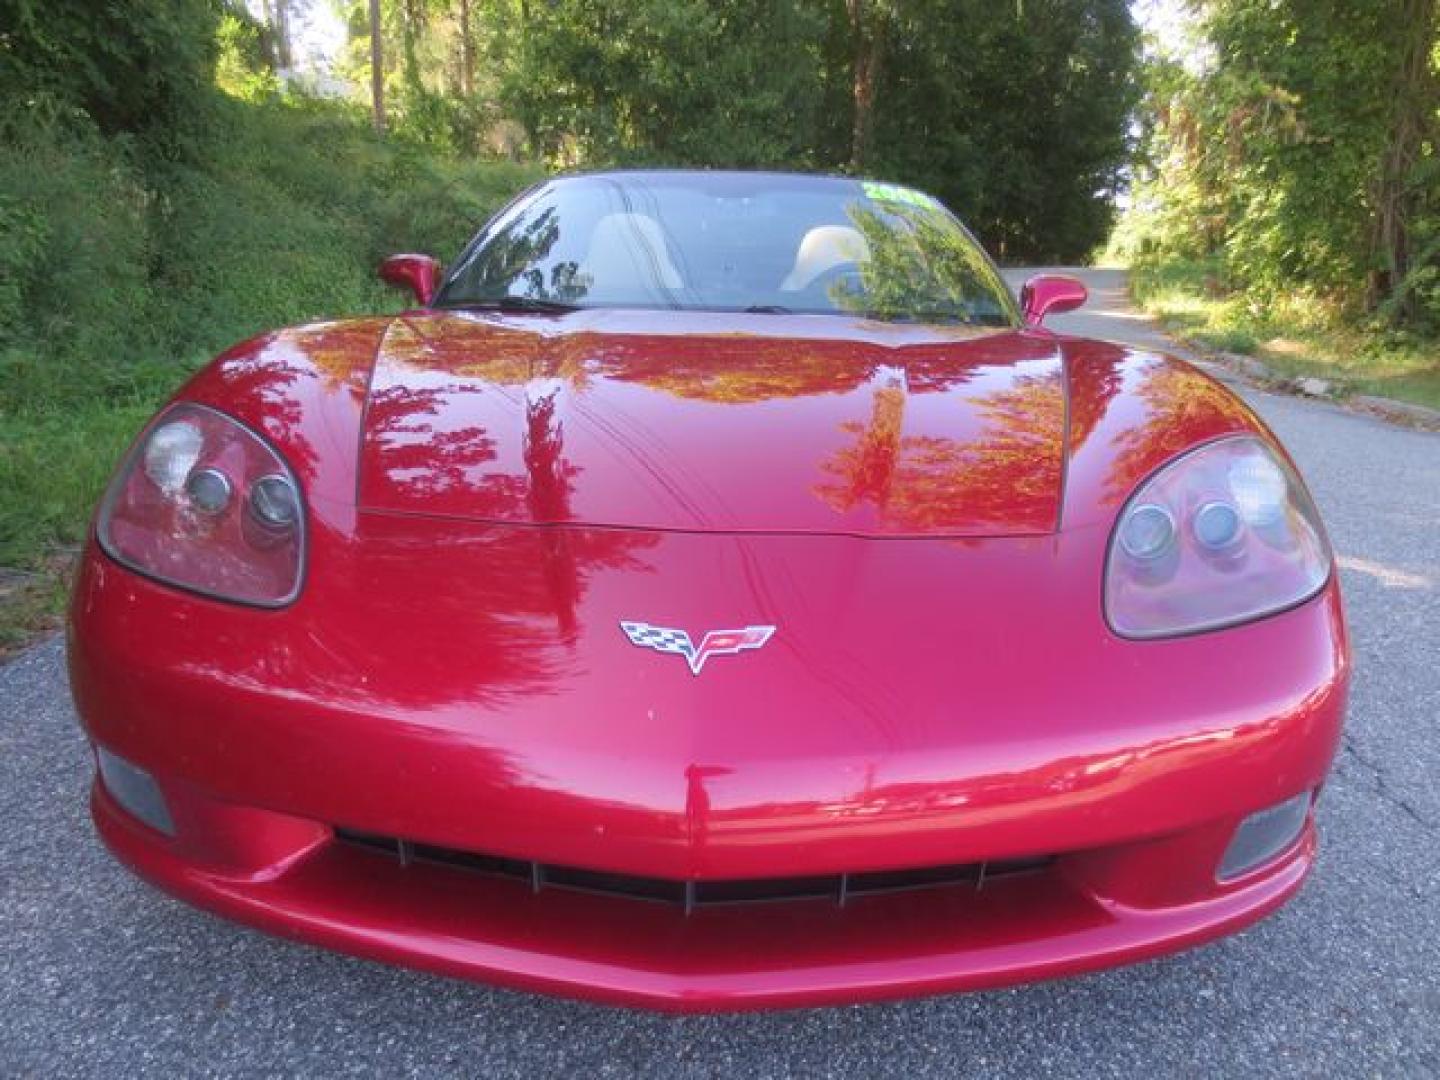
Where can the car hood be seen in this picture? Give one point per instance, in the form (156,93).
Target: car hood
(715,422)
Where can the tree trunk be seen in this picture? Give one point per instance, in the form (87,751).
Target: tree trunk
(867,28)
(411,22)
(267,16)
(1412,124)
(283,56)
(377,68)
(467,51)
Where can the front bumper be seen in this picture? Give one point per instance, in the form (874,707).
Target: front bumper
(1078,914)
(846,747)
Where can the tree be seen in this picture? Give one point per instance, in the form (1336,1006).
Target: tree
(1020,124)
(467,51)
(675,81)
(1302,155)
(869,28)
(1400,196)
(136,68)
(377,68)
(284,57)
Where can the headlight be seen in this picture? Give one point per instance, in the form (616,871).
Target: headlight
(205,504)
(1223,535)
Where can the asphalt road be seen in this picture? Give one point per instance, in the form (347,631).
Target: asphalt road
(101,975)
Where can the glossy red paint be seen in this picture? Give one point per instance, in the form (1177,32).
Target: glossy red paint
(800,953)
(665,421)
(1051,294)
(928,535)
(418,273)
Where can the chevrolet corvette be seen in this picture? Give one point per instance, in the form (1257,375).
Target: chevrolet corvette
(716,591)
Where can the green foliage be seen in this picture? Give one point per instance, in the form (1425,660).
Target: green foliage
(672,81)
(53,464)
(75,254)
(243,60)
(114,259)
(23,233)
(1302,155)
(430,98)
(1294,336)
(1019,122)
(1416,296)
(121,270)
(1298,112)
(143,67)
(263,236)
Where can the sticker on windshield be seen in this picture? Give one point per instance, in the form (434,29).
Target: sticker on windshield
(894,193)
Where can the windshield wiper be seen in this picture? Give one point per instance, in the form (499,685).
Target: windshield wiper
(767,309)
(515,303)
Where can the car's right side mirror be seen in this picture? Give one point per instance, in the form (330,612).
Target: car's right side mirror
(1046,294)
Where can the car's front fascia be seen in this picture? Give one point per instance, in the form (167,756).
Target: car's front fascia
(461,688)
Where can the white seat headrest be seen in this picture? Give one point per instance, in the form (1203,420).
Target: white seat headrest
(824,248)
(627,256)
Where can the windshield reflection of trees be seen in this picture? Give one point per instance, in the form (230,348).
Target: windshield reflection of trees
(920,268)
(512,263)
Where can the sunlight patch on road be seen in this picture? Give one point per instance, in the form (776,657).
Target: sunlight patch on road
(1388,576)
(1129,316)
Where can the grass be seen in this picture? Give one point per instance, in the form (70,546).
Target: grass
(32,602)
(119,276)
(1294,338)
(52,468)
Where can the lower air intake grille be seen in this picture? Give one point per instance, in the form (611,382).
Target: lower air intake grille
(692,894)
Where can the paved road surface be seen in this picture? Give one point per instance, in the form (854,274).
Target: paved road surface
(99,975)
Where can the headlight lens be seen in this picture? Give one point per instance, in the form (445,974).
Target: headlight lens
(1221,536)
(205,504)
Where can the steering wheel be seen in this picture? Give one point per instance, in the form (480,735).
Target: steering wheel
(846,276)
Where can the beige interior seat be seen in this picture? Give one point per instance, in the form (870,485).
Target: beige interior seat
(626,257)
(822,249)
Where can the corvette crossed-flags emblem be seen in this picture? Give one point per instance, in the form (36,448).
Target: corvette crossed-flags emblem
(715,643)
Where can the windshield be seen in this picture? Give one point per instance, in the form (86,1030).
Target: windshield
(732,242)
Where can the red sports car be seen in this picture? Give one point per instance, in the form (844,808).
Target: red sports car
(715,592)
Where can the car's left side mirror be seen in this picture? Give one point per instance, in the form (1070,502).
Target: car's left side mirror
(418,273)
(1047,294)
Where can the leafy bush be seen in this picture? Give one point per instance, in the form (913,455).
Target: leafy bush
(261,235)
(123,268)
(243,56)
(1301,147)
(75,253)
(671,81)
(140,68)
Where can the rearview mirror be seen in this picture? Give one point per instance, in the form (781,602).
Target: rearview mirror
(1044,294)
(418,273)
